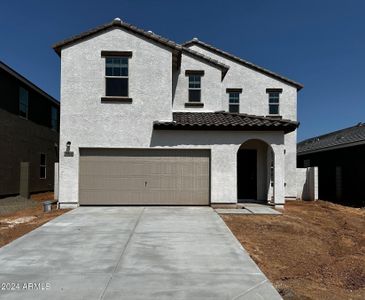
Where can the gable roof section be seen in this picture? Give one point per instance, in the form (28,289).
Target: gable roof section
(225,121)
(117,23)
(347,137)
(28,83)
(207,59)
(243,62)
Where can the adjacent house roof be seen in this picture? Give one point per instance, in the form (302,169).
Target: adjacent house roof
(246,63)
(25,81)
(225,121)
(347,137)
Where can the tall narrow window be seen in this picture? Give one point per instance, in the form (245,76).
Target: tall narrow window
(116,76)
(194,88)
(274,97)
(23,103)
(234,102)
(54,118)
(42,166)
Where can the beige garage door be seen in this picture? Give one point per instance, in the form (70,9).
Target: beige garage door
(144,177)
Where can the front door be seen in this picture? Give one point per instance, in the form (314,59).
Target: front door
(247,174)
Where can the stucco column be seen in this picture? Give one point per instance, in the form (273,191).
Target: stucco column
(279,176)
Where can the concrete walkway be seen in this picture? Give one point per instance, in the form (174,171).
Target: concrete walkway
(132,253)
(249,209)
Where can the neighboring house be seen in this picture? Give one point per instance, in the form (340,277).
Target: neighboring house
(340,159)
(149,121)
(29,132)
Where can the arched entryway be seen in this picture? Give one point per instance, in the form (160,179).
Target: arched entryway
(254,171)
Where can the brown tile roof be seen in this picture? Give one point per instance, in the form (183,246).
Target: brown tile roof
(116,23)
(225,121)
(342,138)
(198,55)
(243,62)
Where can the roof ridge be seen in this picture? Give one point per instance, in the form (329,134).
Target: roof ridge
(243,61)
(115,23)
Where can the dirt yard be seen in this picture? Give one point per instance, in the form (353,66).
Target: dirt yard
(24,220)
(315,250)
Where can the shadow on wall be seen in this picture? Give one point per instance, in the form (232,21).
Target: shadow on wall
(183,138)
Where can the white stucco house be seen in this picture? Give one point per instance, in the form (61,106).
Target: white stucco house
(146,121)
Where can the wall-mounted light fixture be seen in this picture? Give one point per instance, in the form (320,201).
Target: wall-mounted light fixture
(68,153)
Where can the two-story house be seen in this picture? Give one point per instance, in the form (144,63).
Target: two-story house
(29,133)
(147,121)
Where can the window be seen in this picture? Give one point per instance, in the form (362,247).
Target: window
(42,167)
(116,76)
(306,163)
(54,118)
(234,102)
(274,102)
(23,103)
(194,88)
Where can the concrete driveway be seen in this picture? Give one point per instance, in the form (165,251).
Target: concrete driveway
(131,253)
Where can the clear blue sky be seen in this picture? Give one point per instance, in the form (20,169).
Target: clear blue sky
(318,43)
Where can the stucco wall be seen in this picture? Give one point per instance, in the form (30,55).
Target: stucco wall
(86,122)
(254,100)
(211,86)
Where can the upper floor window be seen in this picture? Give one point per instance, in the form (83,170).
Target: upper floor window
(274,101)
(194,88)
(116,76)
(54,118)
(42,166)
(195,78)
(234,100)
(23,103)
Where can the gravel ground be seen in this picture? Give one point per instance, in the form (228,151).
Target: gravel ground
(12,204)
(314,250)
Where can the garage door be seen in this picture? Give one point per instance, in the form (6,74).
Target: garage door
(144,177)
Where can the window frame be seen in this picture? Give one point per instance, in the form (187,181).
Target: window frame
(274,101)
(43,166)
(21,104)
(106,77)
(231,91)
(195,88)
(233,104)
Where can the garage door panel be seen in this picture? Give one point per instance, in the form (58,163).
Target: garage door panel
(137,176)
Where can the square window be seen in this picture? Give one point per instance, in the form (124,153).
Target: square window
(116,87)
(194,95)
